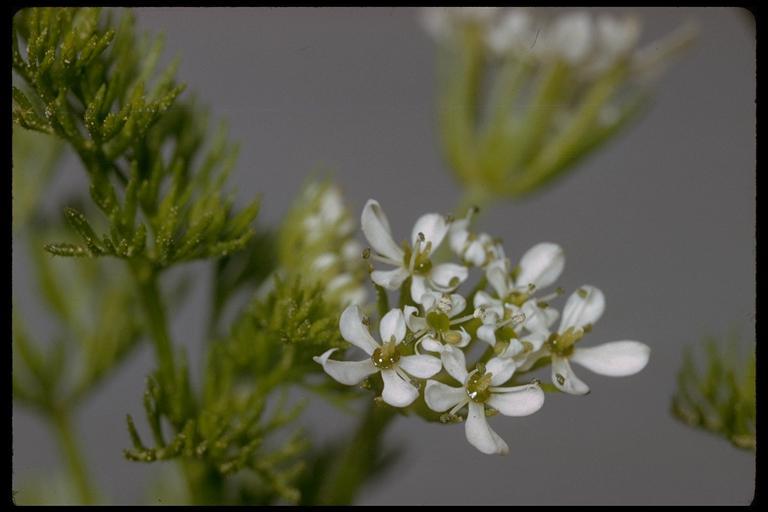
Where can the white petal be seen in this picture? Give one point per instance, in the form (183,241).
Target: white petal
(458,305)
(354,296)
(475,253)
(441,397)
(615,359)
(429,299)
(493,308)
(418,288)
(397,392)
(465,338)
(433,227)
(564,378)
(454,363)
(536,318)
(487,333)
(421,366)
(580,311)
(531,359)
(390,279)
(458,235)
(413,321)
(431,344)
(354,331)
(541,265)
(479,433)
(513,32)
(497,274)
(376,229)
(517,401)
(573,35)
(346,372)
(447,276)
(536,339)
(392,325)
(513,349)
(502,369)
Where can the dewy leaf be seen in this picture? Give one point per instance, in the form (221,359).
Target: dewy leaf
(65,249)
(78,221)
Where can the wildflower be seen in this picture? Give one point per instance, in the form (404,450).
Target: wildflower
(614,359)
(411,260)
(475,249)
(539,267)
(435,324)
(442,22)
(396,369)
(480,391)
(615,39)
(515,32)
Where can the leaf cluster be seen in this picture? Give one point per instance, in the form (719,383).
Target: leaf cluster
(92,84)
(718,396)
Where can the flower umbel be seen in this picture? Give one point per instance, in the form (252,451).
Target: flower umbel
(507,312)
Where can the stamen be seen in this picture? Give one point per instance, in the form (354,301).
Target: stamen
(547,298)
(515,320)
(459,320)
(383,259)
(405,376)
(415,253)
(458,407)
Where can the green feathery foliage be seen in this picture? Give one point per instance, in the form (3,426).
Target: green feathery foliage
(719,396)
(93,85)
(86,80)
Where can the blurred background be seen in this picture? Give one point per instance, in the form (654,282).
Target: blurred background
(662,220)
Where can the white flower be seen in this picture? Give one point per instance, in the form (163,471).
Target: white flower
(539,267)
(475,249)
(478,391)
(442,22)
(396,369)
(615,359)
(410,260)
(514,32)
(330,214)
(615,38)
(571,37)
(435,324)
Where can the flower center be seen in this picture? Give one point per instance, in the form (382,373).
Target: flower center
(420,260)
(478,385)
(451,337)
(438,320)
(517,298)
(562,344)
(386,356)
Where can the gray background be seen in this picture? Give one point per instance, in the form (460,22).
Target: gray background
(662,220)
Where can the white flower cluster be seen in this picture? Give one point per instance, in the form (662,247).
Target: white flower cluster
(578,38)
(318,243)
(513,318)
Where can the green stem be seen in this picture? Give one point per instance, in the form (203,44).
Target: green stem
(205,484)
(474,196)
(360,460)
(71,453)
(154,311)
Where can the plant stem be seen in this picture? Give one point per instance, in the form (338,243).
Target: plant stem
(205,484)
(474,196)
(149,295)
(71,453)
(361,458)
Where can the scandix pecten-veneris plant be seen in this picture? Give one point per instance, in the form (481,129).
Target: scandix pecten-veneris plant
(157,198)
